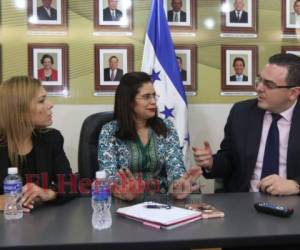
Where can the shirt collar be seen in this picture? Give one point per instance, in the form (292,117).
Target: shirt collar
(287,114)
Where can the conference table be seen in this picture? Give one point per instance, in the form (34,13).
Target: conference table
(68,226)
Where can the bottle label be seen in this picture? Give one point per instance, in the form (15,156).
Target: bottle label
(100,193)
(13,187)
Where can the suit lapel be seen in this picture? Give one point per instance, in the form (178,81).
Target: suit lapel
(293,144)
(255,122)
(46,13)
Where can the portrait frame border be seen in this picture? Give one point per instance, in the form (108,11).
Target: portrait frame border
(240,30)
(49,27)
(54,90)
(112,28)
(285,48)
(98,87)
(193,49)
(186,28)
(238,88)
(284,29)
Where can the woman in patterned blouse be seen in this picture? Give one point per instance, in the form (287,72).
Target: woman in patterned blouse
(141,148)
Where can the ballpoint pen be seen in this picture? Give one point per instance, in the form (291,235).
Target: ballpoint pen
(158,206)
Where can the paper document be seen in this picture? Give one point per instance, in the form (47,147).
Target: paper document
(163,217)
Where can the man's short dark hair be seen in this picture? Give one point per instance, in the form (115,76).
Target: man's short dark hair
(238,59)
(292,63)
(113,57)
(179,58)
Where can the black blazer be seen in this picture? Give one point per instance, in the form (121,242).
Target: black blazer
(50,159)
(233,78)
(107,15)
(183,75)
(43,15)
(235,161)
(117,77)
(233,18)
(182,16)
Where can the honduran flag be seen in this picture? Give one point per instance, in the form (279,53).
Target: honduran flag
(159,61)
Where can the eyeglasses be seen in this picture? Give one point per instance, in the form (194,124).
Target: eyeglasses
(148,97)
(270,84)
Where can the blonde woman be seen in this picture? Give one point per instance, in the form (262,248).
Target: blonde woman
(26,142)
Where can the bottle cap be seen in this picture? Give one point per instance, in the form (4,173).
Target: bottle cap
(13,170)
(101,174)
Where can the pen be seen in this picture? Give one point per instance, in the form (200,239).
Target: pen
(158,206)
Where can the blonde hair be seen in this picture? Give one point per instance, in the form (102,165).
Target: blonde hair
(16,95)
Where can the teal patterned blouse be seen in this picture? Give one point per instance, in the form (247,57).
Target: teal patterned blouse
(161,158)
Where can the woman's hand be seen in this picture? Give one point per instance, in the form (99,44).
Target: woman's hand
(181,188)
(31,194)
(130,188)
(193,173)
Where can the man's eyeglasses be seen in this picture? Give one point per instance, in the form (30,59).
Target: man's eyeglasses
(270,84)
(148,97)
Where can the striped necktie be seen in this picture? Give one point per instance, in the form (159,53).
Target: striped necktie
(238,15)
(176,17)
(114,15)
(112,76)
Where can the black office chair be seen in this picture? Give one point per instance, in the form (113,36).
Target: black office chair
(88,143)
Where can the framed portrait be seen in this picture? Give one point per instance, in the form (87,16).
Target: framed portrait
(49,64)
(48,15)
(290,16)
(111,63)
(181,14)
(239,16)
(239,67)
(186,59)
(291,50)
(113,15)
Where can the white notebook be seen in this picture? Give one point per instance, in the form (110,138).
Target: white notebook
(159,217)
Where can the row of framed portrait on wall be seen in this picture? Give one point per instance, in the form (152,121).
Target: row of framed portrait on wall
(49,63)
(237,16)
(239,66)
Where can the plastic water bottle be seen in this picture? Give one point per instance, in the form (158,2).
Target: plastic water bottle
(13,194)
(101,201)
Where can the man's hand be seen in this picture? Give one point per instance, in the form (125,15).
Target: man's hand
(181,188)
(130,188)
(203,156)
(276,185)
(32,193)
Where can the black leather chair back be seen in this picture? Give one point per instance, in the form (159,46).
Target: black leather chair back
(88,143)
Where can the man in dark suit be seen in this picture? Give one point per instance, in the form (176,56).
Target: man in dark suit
(182,71)
(111,13)
(113,73)
(239,66)
(46,12)
(260,150)
(176,14)
(238,15)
